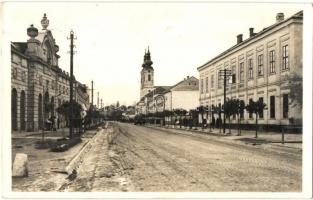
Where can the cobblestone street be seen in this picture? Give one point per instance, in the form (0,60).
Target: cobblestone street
(136,158)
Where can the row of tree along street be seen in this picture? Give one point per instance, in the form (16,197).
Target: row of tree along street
(81,121)
(184,118)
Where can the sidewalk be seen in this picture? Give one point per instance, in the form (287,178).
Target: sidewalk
(46,168)
(291,140)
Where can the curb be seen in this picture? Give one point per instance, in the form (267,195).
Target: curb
(78,158)
(199,133)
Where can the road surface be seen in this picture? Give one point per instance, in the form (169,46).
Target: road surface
(145,159)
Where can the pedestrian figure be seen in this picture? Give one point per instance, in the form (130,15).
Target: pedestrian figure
(213,122)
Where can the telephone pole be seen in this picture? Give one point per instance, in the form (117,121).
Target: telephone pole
(225,74)
(92,94)
(98,101)
(71,82)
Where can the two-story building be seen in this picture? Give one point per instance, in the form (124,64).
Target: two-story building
(260,67)
(38,84)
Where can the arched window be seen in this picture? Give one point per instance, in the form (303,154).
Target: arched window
(14,109)
(22,110)
(46,106)
(149,77)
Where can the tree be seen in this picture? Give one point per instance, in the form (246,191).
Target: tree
(65,110)
(295,83)
(167,113)
(230,108)
(201,111)
(193,117)
(240,109)
(256,108)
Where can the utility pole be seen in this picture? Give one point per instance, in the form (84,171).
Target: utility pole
(101,103)
(98,101)
(225,74)
(92,94)
(71,82)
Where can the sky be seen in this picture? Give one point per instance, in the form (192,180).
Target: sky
(112,37)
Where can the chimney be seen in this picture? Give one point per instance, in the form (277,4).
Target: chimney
(239,38)
(280,17)
(251,33)
(187,77)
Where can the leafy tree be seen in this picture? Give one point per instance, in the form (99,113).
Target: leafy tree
(201,111)
(256,108)
(65,110)
(240,106)
(167,113)
(180,112)
(193,113)
(230,108)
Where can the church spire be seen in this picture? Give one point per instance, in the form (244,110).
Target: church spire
(147,59)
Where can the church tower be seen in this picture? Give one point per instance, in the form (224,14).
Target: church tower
(147,75)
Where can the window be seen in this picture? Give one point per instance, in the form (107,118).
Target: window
(14,74)
(220,81)
(233,72)
(201,86)
(250,113)
(60,88)
(24,76)
(52,84)
(272,106)
(261,113)
(212,81)
(207,84)
(285,58)
(250,69)
(47,84)
(285,106)
(241,72)
(260,65)
(149,77)
(272,61)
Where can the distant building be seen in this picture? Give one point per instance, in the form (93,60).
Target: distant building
(38,84)
(183,95)
(259,67)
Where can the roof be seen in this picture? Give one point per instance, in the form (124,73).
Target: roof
(298,15)
(187,86)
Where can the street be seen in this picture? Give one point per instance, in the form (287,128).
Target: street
(135,158)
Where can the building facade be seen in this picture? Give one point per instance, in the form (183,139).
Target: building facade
(259,67)
(38,84)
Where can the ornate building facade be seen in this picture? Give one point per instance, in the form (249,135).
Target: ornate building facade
(38,84)
(260,68)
